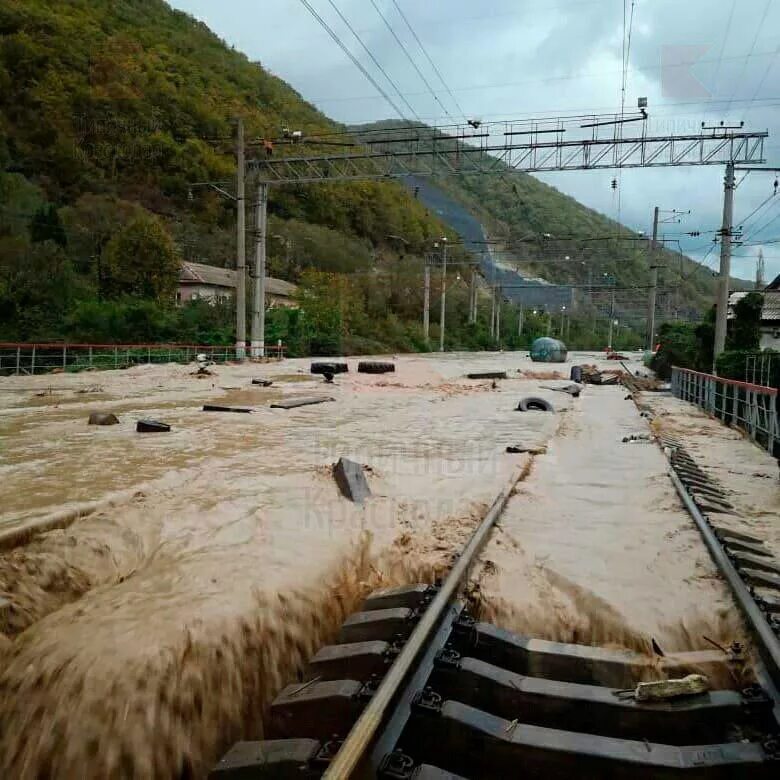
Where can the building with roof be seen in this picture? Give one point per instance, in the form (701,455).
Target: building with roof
(770,314)
(198,281)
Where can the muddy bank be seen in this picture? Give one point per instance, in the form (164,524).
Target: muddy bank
(746,472)
(596,548)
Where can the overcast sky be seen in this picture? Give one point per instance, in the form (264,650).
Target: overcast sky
(700,60)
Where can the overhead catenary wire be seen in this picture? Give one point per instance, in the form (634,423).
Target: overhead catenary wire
(723,44)
(756,231)
(759,28)
(410,58)
(373,59)
(430,60)
(623,85)
(351,56)
(743,223)
(763,78)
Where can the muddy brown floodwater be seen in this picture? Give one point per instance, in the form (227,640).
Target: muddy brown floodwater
(211,562)
(595,546)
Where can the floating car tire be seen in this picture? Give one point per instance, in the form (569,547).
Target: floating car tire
(103,418)
(152,426)
(329,368)
(532,404)
(367,367)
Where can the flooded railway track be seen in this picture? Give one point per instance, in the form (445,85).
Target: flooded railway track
(417,688)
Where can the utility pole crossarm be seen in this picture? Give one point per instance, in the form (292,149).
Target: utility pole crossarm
(456,157)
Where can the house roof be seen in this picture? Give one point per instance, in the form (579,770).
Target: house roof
(200,273)
(774,284)
(771,310)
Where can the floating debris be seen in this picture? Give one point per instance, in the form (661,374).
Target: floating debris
(103,418)
(351,480)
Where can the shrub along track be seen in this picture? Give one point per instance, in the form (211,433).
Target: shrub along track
(418,688)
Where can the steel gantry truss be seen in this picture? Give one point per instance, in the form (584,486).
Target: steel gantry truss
(529,146)
(484,153)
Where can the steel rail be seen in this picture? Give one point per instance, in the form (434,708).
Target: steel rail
(359,741)
(768,643)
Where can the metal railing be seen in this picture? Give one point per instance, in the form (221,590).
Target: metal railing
(760,367)
(30,359)
(750,407)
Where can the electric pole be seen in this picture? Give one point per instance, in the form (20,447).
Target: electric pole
(611,315)
(520,320)
(473,298)
(427,302)
(760,270)
(722,306)
(241,245)
(258,300)
(498,316)
(653,285)
(443,291)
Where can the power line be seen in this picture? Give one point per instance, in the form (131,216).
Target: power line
(743,222)
(763,78)
(409,57)
(373,58)
(593,75)
(756,231)
(626,54)
(428,57)
(723,44)
(351,56)
(752,47)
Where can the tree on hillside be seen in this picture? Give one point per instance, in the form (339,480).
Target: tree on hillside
(37,288)
(142,261)
(90,224)
(745,330)
(47,226)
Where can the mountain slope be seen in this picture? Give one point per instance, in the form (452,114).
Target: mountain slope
(109,111)
(517,211)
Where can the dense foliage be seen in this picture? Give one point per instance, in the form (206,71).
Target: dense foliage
(745,331)
(690,345)
(110,110)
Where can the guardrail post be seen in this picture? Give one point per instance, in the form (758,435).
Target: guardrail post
(18,360)
(32,365)
(64,356)
(148,354)
(90,356)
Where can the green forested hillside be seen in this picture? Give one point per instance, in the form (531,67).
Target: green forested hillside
(110,110)
(538,226)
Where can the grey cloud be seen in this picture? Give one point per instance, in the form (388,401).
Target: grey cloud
(535,57)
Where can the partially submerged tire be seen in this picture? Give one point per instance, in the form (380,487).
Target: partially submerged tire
(329,368)
(370,367)
(533,404)
(103,418)
(152,426)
